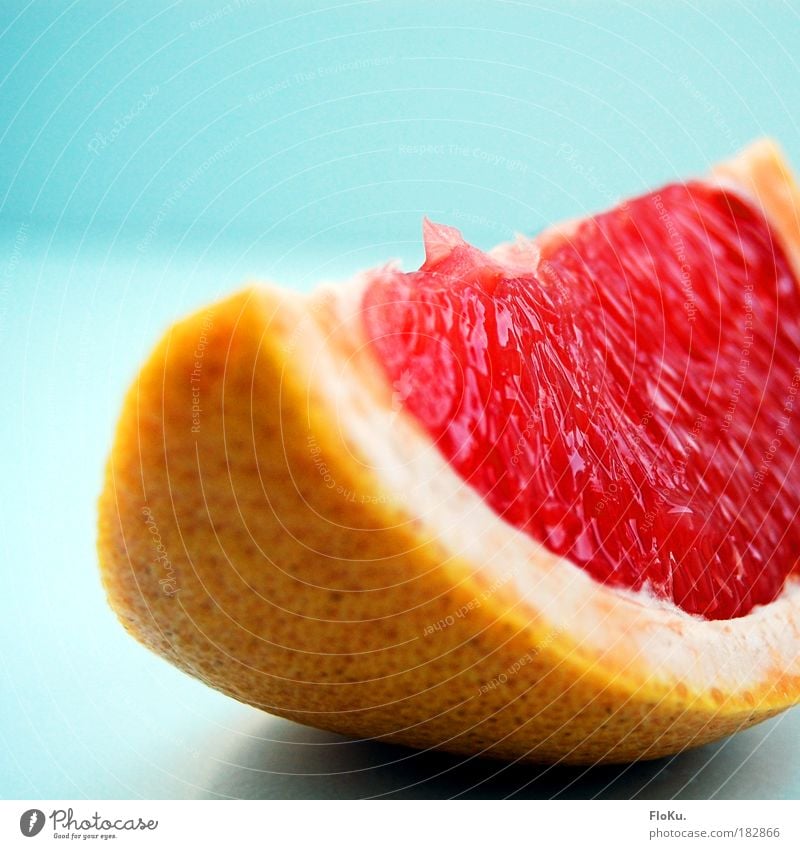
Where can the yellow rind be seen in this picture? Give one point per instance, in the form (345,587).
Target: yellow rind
(224,549)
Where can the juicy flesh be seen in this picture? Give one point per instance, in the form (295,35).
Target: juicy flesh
(627,394)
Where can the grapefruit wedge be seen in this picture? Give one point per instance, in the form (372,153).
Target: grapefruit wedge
(534,503)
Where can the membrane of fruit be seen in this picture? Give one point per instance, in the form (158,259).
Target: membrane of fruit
(625,391)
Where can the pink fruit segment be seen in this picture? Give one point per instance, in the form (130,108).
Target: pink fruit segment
(627,395)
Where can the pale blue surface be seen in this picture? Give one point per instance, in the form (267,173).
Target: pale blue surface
(283,142)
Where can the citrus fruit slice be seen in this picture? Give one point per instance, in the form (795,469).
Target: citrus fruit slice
(533,503)
(615,390)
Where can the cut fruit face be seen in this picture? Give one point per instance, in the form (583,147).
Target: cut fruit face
(626,391)
(534,503)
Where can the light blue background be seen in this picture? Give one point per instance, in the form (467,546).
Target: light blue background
(154,156)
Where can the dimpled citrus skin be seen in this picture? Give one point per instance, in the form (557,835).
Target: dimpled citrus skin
(224,549)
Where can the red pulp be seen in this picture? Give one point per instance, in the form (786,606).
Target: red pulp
(626,394)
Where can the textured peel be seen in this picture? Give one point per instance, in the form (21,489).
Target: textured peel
(300,545)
